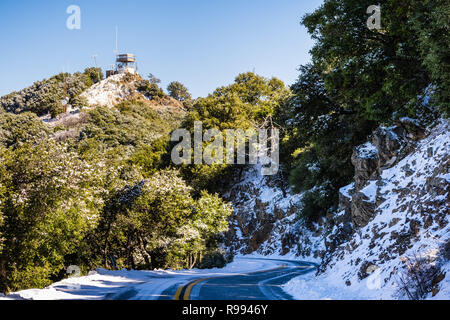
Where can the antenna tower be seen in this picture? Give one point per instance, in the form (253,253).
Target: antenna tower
(95,59)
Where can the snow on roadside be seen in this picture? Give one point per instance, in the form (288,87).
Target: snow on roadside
(309,287)
(101,284)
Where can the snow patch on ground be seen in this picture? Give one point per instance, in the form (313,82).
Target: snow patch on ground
(108,92)
(102,284)
(370,191)
(346,190)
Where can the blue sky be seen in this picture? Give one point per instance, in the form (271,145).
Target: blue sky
(202,43)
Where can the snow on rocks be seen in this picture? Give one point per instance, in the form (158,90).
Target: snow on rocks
(367,150)
(264,220)
(409,227)
(145,285)
(109,91)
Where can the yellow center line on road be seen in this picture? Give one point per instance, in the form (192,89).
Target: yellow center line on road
(190,285)
(178,293)
(187,294)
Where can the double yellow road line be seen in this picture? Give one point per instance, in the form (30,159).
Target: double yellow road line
(187,289)
(184,291)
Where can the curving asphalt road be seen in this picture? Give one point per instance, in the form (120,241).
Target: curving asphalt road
(260,285)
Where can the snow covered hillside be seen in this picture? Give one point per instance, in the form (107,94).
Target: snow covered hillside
(391,239)
(109,91)
(264,220)
(124,86)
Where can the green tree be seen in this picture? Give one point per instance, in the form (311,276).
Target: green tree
(153,79)
(50,203)
(155,223)
(372,72)
(150,90)
(2,195)
(358,79)
(178,91)
(431,22)
(94,74)
(245,104)
(17,129)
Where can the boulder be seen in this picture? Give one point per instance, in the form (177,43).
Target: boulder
(363,209)
(369,160)
(365,159)
(413,128)
(259,236)
(388,142)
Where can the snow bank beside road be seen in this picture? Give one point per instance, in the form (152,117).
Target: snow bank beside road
(102,283)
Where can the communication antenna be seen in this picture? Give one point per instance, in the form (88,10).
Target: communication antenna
(95,59)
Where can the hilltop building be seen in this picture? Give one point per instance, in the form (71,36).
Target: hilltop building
(125,63)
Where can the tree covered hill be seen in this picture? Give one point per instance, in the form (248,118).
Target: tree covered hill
(45,96)
(97,188)
(91,188)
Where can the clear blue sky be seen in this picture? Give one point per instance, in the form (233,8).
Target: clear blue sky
(202,43)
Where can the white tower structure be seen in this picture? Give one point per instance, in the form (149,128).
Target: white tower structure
(125,62)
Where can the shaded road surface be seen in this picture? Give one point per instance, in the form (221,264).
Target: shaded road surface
(254,285)
(260,285)
(245,278)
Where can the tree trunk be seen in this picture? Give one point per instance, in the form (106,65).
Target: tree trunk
(193,260)
(3,277)
(146,255)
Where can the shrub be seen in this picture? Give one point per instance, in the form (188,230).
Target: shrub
(45,96)
(150,90)
(178,91)
(94,74)
(316,203)
(18,129)
(215,259)
(419,278)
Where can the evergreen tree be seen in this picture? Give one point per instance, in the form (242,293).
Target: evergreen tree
(49,205)
(178,91)
(153,79)
(360,78)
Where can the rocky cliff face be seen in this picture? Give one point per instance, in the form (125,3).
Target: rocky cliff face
(265,221)
(395,216)
(384,149)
